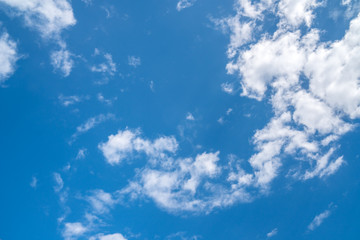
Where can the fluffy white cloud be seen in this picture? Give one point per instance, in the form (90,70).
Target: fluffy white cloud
(125,143)
(318,220)
(333,70)
(8,57)
(74,230)
(114,236)
(280,65)
(296,12)
(49,17)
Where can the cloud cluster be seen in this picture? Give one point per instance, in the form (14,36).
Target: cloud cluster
(176,183)
(49,18)
(313,86)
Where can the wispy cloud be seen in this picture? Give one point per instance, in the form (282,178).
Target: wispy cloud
(70,100)
(182,4)
(34,182)
(62,61)
(134,61)
(318,220)
(272,233)
(89,124)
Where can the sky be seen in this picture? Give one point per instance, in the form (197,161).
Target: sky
(179,120)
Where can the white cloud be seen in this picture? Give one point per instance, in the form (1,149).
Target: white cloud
(272,233)
(81,154)
(228,88)
(90,123)
(61,60)
(318,220)
(107,68)
(185,184)
(306,120)
(102,99)
(125,143)
(333,71)
(114,236)
(134,61)
(69,100)
(8,57)
(182,236)
(33,182)
(324,167)
(182,4)
(296,12)
(49,17)
(190,117)
(59,182)
(74,230)
(100,201)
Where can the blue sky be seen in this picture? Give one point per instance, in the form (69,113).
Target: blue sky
(187,119)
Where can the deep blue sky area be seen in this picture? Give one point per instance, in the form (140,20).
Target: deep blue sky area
(129,120)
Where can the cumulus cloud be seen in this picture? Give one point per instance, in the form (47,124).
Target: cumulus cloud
(114,236)
(184,185)
(174,183)
(295,12)
(307,121)
(49,17)
(123,144)
(8,57)
(74,230)
(279,65)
